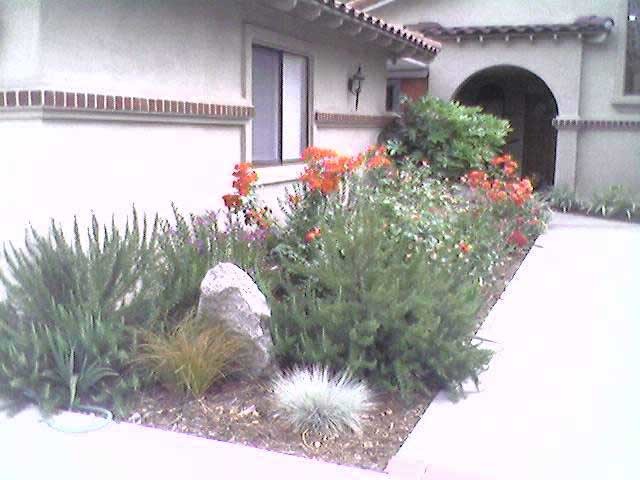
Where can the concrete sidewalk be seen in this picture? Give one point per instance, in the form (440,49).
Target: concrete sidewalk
(561,399)
(31,450)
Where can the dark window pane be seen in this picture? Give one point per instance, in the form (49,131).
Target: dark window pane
(632,70)
(266,72)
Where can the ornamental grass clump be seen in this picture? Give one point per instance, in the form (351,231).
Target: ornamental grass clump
(315,399)
(193,357)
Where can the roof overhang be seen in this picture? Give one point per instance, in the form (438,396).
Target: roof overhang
(592,27)
(369,5)
(340,17)
(407,68)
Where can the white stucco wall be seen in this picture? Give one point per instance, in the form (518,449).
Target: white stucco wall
(191,50)
(584,76)
(19,43)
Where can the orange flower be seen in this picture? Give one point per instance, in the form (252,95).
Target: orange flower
(314,154)
(294,199)
(518,238)
(312,178)
(378,161)
(329,183)
(335,166)
(464,247)
(355,162)
(245,178)
(232,201)
(475,178)
(257,217)
(312,234)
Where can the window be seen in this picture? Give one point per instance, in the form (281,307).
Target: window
(393,95)
(280,89)
(632,60)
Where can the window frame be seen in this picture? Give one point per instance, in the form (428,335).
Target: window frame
(621,98)
(268,39)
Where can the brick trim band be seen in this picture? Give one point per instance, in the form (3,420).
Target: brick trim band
(350,120)
(596,124)
(49,100)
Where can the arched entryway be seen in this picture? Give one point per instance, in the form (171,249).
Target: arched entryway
(517,95)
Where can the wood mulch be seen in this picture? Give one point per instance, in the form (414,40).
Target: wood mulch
(239,411)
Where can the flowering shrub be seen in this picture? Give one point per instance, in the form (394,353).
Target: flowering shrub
(244,203)
(451,138)
(509,198)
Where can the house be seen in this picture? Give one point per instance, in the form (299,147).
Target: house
(566,73)
(109,103)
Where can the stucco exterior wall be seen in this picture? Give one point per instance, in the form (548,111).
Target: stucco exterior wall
(19,42)
(194,50)
(584,76)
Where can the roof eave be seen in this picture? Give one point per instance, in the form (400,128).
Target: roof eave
(338,16)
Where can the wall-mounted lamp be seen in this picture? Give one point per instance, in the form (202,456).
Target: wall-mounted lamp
(355,84)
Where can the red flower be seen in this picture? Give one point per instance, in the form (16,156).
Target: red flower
(232,201)
(312,234)
(464,247)
(518,238)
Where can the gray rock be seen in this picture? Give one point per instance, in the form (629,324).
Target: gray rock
(228,295)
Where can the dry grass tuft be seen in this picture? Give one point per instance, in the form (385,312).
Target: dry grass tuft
(194,356)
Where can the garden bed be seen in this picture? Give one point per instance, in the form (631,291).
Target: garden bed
(377,279)
(239,411)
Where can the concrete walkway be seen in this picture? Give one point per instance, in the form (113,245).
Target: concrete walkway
(31,450)
(561,399)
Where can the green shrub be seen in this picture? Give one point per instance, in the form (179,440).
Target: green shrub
(372,303)
(192,357)
(450,137)
(68,322)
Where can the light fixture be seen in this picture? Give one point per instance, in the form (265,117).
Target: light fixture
(355,84)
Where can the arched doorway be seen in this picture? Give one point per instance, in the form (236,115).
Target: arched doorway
(524,99)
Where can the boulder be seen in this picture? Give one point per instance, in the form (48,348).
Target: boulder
(230,296)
